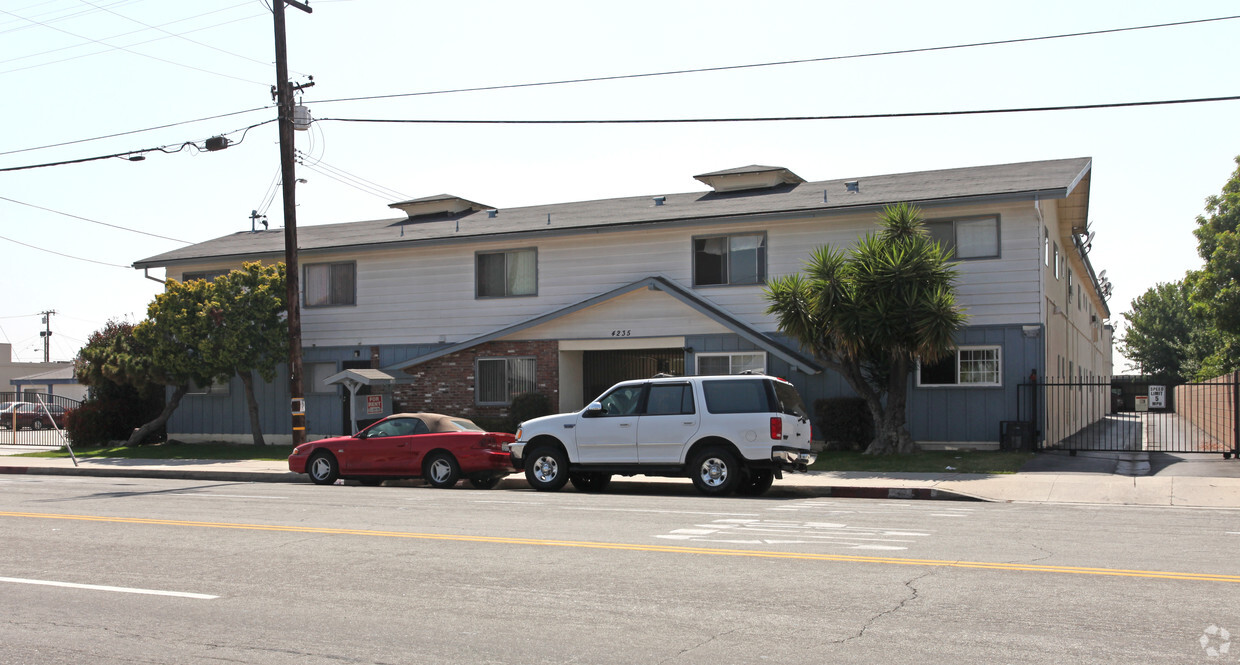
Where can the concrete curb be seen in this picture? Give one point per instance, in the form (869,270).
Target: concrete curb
(513,482)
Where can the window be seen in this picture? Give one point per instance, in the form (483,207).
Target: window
(1069,287)
(736,396)
(730,363)
(966,366)
(329,284)
(216,388)
(729,260)
(968,238)
(499,379)
(667,399)
(506,274)
(1046,247)
(208,275)
(623,401)
(316,372)
(1058,263)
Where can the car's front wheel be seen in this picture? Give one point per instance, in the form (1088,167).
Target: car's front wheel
(323,469)
(441,470)
(715,471)
(37,424)
(547,469)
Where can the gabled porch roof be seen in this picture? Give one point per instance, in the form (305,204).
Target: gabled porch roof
(656,283)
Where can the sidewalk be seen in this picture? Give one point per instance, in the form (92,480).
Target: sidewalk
(1204,481)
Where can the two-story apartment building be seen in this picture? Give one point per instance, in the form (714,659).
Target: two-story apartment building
(467,305)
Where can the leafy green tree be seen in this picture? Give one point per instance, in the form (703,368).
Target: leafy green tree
(1216,289)
(250,328)
(1156,338)
(122,392)
(872,312)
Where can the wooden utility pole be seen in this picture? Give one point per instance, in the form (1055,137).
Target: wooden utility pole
(46,334)
(284,102)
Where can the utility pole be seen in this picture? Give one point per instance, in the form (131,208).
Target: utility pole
(46,334)
(284,102)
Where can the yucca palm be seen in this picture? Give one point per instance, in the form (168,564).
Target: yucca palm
(872,312)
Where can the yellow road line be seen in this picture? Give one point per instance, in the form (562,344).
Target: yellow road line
(668,549)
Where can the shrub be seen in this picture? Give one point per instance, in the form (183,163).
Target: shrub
(528,405)
(100,421)
(845,423)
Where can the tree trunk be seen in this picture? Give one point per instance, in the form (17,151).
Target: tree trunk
(891,435)
(144,431)
(256,429)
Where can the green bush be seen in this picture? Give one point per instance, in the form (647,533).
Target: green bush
(844,423)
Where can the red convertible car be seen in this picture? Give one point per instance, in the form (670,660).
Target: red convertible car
(440,449)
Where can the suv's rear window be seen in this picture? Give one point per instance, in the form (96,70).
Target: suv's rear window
(789,399)
(736,396)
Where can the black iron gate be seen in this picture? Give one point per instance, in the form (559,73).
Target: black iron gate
(34,419)
(1123,415)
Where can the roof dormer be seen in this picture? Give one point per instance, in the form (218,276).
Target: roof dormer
(440,204)
(749,177)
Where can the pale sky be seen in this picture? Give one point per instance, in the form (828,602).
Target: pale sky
(73,70)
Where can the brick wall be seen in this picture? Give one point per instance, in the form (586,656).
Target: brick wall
(1210,406)
(446,385)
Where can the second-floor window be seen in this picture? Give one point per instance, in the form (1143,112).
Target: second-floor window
(507,273)
(968,238)
(729,260)
(329,284)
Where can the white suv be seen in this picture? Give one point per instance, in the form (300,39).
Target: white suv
(727,433)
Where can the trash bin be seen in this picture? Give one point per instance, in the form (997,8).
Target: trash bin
(1143,403)
(1015,435)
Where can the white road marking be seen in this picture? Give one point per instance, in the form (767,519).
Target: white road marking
(1233,533)
(662,512)
(778,532)
(118,589)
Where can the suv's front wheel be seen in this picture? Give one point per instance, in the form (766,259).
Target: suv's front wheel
(546,469)
(715,471)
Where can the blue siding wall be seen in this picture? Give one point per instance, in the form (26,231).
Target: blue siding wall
(934,414)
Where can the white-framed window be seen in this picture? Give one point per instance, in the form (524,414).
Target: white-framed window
(1046,247)
(1058,262)
(506,273)
(316,372)
(1069,287)
(331,284)
(972,238)
(217,388)
(729,260)
(730,363)
(498,380)
(974,366)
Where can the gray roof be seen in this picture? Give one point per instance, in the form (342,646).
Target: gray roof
(1022,181)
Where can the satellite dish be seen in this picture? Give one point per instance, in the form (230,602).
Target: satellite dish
(1102,276)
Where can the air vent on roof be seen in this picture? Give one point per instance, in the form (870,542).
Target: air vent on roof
(853,186)
(749,177)
(436,205)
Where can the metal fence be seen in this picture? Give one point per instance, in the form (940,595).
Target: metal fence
(34,419)
(1101,414)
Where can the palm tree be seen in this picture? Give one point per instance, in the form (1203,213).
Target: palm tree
(872,312)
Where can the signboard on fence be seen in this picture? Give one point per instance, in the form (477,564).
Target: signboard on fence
(1158,397)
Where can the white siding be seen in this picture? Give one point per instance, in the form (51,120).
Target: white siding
(426,295)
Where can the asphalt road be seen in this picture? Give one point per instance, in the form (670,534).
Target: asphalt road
(150,571)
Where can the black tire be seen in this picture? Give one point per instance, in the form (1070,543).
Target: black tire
(590,481)
(485,482)
(715,471)
(441,470)
(323,469)
(757,483)
(546,469)
(37,424)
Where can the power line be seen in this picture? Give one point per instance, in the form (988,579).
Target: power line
(93,221)
(778,63)
(355,181)
(135,131)
(133,52)
(855,116)
(134,153)
(178,36)
(67,256)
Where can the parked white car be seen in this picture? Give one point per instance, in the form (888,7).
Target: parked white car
(727,433)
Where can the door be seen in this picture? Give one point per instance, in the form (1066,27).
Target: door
(386,449)
(609,436)
(667,424)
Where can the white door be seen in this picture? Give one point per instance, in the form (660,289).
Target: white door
(609,436)
(667,424)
